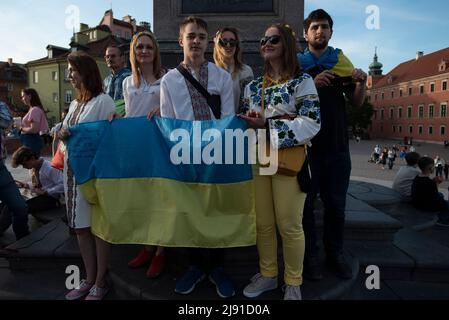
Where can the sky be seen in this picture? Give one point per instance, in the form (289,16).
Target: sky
(398,28)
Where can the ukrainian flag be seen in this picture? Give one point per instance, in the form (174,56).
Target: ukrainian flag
(139,196)
(332,59)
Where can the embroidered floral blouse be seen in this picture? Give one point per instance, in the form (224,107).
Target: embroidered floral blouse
(296,97)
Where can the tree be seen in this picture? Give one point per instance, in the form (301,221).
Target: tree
(359,118)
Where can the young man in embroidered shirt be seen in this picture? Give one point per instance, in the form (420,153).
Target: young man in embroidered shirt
(49,186)
(181,100)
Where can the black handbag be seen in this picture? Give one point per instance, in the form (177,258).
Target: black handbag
(213,100)
(304,177)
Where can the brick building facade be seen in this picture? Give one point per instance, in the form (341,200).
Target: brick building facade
(411,101)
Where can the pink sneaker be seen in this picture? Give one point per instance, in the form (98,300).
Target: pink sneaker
(83,290)
(97,293)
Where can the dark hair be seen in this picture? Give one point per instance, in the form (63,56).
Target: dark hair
(218,51)
(35,101)
(317,15)
(425,162)
(191,19)
(92,85)
(412,158)
(21,155)
(290,66)
(120,48)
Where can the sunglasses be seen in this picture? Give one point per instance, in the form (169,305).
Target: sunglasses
(273,40)
(227,42)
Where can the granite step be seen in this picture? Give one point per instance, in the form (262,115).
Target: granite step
(52,243)
(240,264)
(363,222)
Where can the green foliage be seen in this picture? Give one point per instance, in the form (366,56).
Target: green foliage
(359,117)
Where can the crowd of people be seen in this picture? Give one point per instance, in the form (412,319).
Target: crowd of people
(304,91)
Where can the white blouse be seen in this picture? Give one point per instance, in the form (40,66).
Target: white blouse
(140,101)
(175,97)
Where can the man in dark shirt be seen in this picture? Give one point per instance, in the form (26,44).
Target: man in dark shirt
(425,195)
(330,163)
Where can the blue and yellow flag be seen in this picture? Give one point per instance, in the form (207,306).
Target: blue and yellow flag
(332,59)
(128,171)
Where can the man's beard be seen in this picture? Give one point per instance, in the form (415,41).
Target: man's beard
(319,46)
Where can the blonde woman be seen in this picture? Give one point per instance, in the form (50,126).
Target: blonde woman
(228,56)
(141,92)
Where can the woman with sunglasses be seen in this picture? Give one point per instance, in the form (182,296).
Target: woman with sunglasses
(228,55)
(286,101)
(141,92)
(34,123)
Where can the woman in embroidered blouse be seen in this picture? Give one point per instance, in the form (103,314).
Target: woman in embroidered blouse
(34,123)
(90,105)
(291,107)
(228,55)
(141,92)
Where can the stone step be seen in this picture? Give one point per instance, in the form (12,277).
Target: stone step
(364,222)
(430,257)
(52,243)
(240,264)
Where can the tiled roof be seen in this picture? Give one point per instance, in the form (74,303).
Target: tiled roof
(425,66)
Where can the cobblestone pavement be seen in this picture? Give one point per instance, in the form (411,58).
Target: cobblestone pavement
(370,172)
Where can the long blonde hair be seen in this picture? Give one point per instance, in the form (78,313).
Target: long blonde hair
(157,64)
(219,51)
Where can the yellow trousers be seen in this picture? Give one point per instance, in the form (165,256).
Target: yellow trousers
(279,202)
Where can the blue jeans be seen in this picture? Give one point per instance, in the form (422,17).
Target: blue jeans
(330,178)
(11,197)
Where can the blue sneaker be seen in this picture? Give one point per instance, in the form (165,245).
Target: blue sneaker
(225,288)
(188,281)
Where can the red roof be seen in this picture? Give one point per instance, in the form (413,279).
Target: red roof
(425,66)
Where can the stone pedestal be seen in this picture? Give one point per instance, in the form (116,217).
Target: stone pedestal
(250,17)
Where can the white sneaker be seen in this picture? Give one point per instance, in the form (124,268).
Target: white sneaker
(292,293)
(259,284)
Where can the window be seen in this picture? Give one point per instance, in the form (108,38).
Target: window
(400,113)
(375,114)
(392,94)
(394,129)
(430,130)
(382,114)
(35,77)
(444,85)
(432,87)
(431,110)
(443,110)
(391,113)
(383,95)
(54,75)
(68,96)
(127,35)
(409,112)
(55,97)
(375,97)
(400,129)
(421,89)
(410,91)
(421,112)
(400,92)
(10,87)
(410,129)
(381,128)
(442,130)
(118,34)
(420,130)
(66,74)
